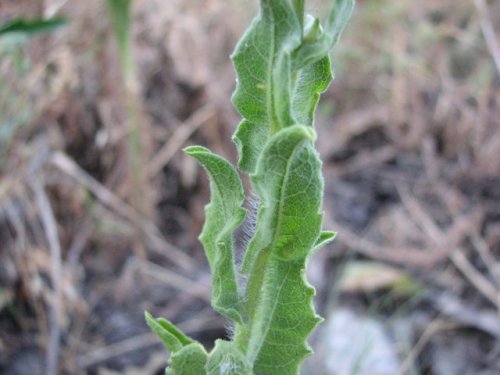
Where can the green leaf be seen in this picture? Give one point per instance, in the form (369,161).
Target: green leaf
(319,47)
(190,360)
(312,80)
(278,338)
(249,140)
(337,20)
(298,7)
(289,184)
(313,29)
(263,67)
(226,359)
(282,65)
(30,27)
(187,357)
(257,58)
(224,215)
(173,339)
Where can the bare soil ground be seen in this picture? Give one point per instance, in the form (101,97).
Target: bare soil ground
(410,137)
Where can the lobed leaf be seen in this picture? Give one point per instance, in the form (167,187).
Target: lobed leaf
(173,338)
(319,44)
(289,184)
(256,59)
(263,66)
(338,17)
(223,215)
(249,140)
(282,65)
(312,80)
(287,322)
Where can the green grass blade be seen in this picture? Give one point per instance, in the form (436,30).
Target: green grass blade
(120,11)
(31,27)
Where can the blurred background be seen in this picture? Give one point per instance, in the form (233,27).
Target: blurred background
(100,210)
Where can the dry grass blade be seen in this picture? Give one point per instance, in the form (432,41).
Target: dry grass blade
(410,256)
(178,281)
(104,353)
(352,124)
(181,134)
(52,9)
(78,244)
(488,31)
(481,283)
(487,321)
(366,160)
(435,327)
(50,226)
(489,260)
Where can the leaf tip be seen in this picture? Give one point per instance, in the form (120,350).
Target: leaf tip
(148,317)
(324,238)
(193,150)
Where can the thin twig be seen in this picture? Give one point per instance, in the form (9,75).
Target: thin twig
(480,282)
(489,260)
(488,31)
(114,350)
(366,159)
(50,226)
(486,320)
(436,326)
(78,244)
(178,281)
(52,9)
(398,255)
(182,133)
